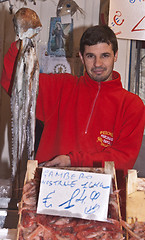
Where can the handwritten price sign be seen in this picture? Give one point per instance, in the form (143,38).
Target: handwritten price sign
(127,18)
(74,194)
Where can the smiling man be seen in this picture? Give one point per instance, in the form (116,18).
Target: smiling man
(99,61)
(98,52)
(91,119)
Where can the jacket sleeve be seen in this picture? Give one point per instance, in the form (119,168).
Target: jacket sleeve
(9,60)
(125,147)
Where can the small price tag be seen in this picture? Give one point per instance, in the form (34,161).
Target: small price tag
(74,194)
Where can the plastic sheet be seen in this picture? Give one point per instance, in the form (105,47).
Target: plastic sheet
(8,234)
(5,188)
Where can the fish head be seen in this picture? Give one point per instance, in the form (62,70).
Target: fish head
(26,23)
(65,7)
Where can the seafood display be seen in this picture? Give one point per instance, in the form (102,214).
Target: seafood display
(139,229)
(135,230)
(35,226)
(25,85)
(135,205)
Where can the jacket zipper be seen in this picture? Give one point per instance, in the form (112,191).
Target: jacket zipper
(92,110)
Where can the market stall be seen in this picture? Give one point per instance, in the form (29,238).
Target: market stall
(30,203)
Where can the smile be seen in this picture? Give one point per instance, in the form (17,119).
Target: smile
(98,71)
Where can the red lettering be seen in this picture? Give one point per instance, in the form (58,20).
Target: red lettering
(117,20)
(139,29)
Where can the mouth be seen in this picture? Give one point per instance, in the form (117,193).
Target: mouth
(98,71)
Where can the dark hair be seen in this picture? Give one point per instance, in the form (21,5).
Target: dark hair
(98,34)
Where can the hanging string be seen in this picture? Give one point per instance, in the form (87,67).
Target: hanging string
(10,7)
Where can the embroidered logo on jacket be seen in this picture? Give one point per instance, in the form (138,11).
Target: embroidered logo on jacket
(105,138)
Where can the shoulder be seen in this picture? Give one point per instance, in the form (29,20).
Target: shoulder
(133,97)
(134,103)
(57,79)
(51,86)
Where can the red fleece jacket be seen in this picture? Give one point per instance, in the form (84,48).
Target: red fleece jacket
(89,121)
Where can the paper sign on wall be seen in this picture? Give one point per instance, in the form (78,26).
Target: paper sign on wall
(127,18)
(74,194)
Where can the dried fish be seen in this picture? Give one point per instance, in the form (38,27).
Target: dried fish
(25,86)
(65,7)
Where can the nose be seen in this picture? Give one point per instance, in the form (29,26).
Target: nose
(97,61)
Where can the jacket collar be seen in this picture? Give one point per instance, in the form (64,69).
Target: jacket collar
(114,83)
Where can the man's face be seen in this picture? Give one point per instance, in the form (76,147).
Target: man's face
(99,61)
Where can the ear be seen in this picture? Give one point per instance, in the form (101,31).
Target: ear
(81,57)
(116,56)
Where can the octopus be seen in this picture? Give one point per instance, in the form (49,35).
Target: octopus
(65,7)
(25,85)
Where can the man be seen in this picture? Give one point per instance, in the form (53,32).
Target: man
(91,119)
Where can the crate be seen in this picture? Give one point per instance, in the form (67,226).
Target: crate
(135,205)
(135,198)
(30,173)
(32,167)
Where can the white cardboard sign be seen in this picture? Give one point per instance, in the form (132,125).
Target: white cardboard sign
(74,194)
(127,18)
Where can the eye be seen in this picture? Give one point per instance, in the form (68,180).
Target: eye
(105,55)
(90,55)
(68,5)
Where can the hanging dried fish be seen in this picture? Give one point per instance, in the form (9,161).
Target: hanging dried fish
(25,1)
(65,7)
(25,86)
(3,1)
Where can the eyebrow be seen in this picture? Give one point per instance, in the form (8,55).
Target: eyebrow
(106,53)
(90,53)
